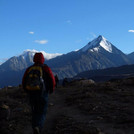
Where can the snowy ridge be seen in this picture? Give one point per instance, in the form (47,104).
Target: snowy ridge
(97,43)
(106,45)
(47,56)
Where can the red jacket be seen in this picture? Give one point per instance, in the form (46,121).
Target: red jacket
(39,60)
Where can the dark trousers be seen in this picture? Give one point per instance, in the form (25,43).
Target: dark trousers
(39,104)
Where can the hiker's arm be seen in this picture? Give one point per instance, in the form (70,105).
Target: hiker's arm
(51,76)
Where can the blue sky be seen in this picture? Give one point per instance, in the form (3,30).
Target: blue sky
(61,26)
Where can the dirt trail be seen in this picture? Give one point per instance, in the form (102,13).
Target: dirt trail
(56,109)
(105,108)
(63,117)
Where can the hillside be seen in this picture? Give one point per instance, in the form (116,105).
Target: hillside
(100,108)
(101,75)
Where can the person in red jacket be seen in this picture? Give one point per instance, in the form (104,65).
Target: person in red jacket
(39,102)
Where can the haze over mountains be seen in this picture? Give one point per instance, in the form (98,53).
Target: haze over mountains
(97,54)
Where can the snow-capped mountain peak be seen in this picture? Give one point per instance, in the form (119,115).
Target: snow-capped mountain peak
(31,53)
(28,52)
(106,45)
(97,43)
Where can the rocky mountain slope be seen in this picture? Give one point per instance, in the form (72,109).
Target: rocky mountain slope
(97,54)
(112,73)
(99,108)
(24,60)
(131,56)
(12,70)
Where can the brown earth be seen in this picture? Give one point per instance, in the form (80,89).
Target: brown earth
(102,108)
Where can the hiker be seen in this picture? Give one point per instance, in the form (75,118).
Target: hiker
(38,90)
(65,82)
(56,80)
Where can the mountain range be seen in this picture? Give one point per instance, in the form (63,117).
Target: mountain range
(97,54)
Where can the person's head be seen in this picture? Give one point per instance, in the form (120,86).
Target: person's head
(39,58)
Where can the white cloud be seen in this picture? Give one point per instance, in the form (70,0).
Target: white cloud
(76,50)
(131,31)
(94,35)
(41,41)
(47,56)
(31,32)
(2,60)
(78,41)
(91,37)
(69,21)
(88,38)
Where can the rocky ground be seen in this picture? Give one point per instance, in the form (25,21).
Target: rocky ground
(97,108)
